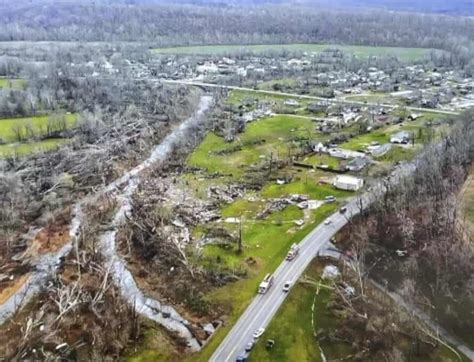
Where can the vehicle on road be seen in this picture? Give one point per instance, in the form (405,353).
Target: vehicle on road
(242,357)
(327,221)
(265,284)
(329,199)
(294,251)
(343,209)
(287,286)
(258,333)
(249,346)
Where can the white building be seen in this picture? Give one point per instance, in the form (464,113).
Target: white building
(401,137)
(208,68)
(291,103)
(348,183)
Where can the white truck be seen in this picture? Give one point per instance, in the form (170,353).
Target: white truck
(294,250)
(265,284)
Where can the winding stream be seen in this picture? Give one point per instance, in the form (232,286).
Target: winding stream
(122,189)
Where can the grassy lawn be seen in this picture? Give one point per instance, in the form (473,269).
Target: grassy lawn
(323,159)
(266,242)
(238,96)
(382,135)
(357,50)
(22,149)
(12,83)
(397,154)
(361,141)
(293,333)
(278,134)
(375,97)
(38,125)
(291,328)
(159,346)
(311,188)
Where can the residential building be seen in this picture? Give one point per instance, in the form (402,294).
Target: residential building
(357,164)
(401,137)
(381,150)
(348,183)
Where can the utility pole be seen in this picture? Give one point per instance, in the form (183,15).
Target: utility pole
(271,161)
(239,250)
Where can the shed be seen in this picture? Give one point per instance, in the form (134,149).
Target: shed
(348,183)
(401,137)
(357,164)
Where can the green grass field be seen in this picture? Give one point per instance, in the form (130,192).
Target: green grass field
(359,51)
(373,97)
(364,140)
(293,333)
(292,330)
(277,132)
(22,149)
(12,83)
(267,242)
(38,126)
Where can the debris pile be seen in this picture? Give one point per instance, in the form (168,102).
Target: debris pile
(225,194)
(279,204)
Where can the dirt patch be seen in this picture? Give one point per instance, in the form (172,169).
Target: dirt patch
(52,237)
(9,288)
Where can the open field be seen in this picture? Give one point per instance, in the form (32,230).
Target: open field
(293,333)
(37,126)
(12,83)
(291,328)
(21,149)
(359,51)
(382,135)
(270,137)
(265,241)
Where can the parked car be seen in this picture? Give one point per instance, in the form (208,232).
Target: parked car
(329,199)
(249,346)
(287,286)
(242,357)
(258,333)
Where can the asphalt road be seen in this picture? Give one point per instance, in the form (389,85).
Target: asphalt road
(305,96)
(263,307)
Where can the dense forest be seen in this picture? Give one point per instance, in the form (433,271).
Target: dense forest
(187,24)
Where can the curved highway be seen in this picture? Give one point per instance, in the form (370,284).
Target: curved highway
(263,307)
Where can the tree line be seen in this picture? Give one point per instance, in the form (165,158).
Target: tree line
(166,25)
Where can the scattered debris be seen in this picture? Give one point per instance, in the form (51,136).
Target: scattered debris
(299,222)
(330,272)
